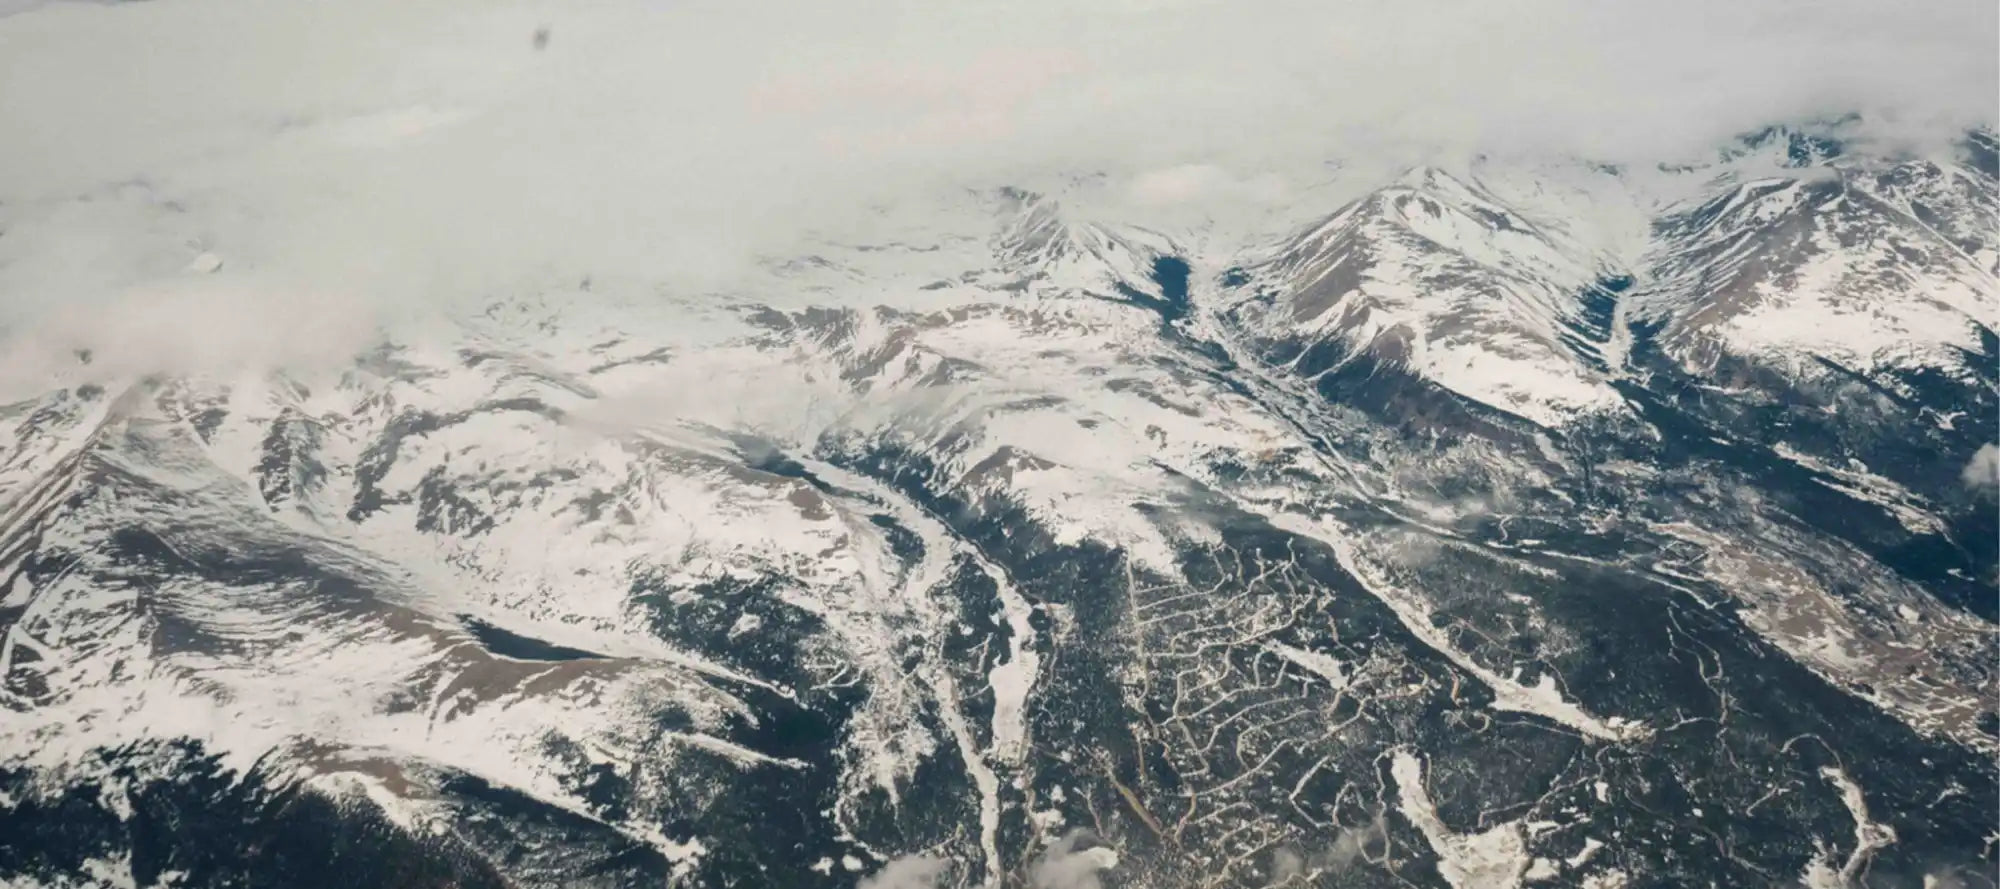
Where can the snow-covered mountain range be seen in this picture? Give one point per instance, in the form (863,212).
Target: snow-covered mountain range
(1511,525)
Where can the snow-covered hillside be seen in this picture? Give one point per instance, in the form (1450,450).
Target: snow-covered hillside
(1505,526)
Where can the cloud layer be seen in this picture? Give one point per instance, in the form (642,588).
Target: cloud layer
(1982,472)
(385,154)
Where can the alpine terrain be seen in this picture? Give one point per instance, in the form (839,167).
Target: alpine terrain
(1513,524)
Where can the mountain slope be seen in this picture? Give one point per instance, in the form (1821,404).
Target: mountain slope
(1433,279)
(1439,545)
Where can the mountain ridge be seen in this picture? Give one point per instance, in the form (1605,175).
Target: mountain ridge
(1174,567)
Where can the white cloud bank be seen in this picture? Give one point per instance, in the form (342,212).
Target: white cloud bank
(913,872)
(1073,861)
(1982,472)
(382,154)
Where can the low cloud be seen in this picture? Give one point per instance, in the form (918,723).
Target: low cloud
(373,155)
(1352,844)
(1982,472)
(1286,865)
(1075,861)
(910,872)
(190,325)
(1187,183)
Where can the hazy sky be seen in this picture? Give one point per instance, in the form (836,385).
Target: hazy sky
(383,152)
